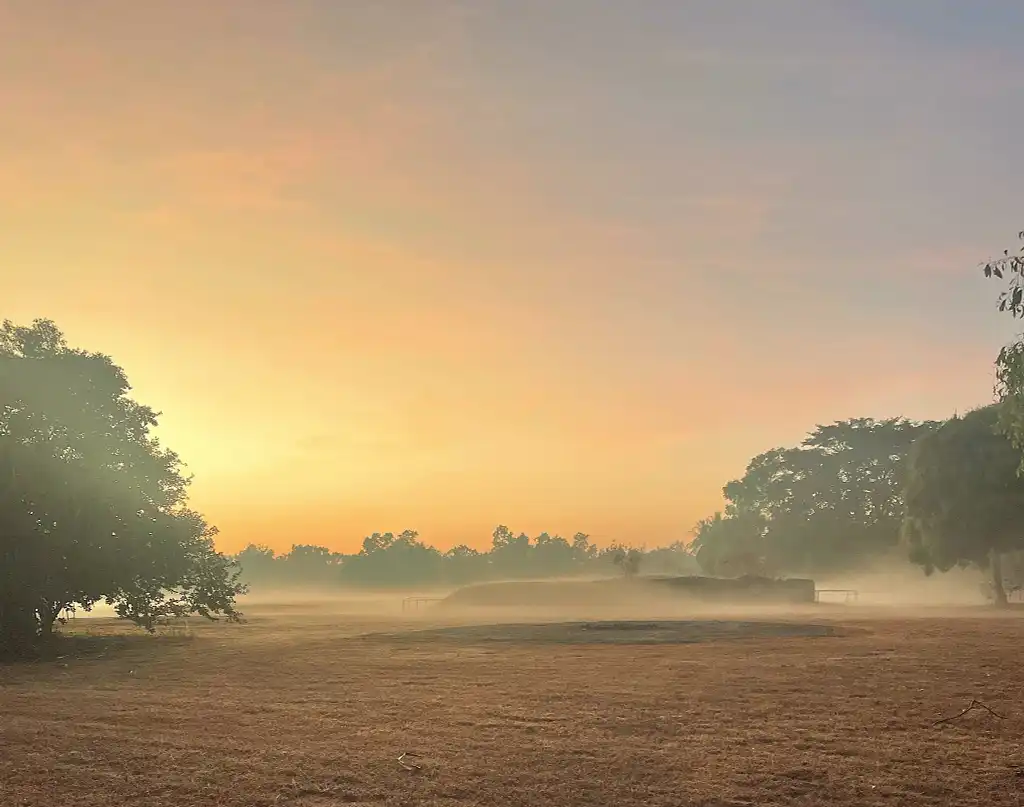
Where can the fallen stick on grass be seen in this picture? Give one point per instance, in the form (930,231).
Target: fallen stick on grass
(974,704)
(409,766)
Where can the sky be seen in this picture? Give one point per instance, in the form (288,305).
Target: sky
(564,266)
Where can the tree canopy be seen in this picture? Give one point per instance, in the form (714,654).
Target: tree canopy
(964,498)
(92,507)
(826,505)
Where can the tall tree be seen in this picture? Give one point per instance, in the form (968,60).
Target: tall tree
(677,559)
(552,555)
(257,562)
(511,555)
(463,564)
(825,505)
(624,558)
(393,560)
(91,506)
(309,563)
(964,498)
(582,549)
(731,545)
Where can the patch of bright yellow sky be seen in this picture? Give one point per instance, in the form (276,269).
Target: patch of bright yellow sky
(443,266)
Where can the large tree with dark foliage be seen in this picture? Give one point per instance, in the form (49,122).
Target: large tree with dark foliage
(389,559)
(964,497)
(91,506)
(731,544)
(826,505)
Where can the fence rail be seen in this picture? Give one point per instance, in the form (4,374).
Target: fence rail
(847,595)
(418,603)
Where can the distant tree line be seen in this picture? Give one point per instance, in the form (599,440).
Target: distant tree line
(851,494)
(403,560)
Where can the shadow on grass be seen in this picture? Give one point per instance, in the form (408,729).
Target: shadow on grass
(63,647)
(624,632)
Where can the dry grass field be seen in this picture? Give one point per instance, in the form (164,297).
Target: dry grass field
(311,706)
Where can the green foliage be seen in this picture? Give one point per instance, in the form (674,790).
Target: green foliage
(826,505)
(731,545)
(91,506)
(390,559)
(627,560)
(1010,268)
(1010,390)
(964,498)
(1010,361)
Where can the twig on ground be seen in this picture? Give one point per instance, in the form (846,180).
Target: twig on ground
(974,704)
(409,766)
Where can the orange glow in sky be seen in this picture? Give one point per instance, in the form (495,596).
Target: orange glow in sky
(563,266)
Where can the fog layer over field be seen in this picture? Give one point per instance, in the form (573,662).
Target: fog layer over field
(907,585)
(895,588)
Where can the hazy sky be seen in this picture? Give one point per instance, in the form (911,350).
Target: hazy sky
(561,265)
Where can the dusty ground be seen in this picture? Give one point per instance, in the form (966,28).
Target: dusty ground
(301,708)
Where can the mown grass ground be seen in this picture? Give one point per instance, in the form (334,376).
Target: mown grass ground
(299,709)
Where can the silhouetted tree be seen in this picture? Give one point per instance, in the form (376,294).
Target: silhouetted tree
(463,564)
(626,559)
(828,504)
(552,556)
(964,498)
(91,506)
(510,555)
(387,559)
(731,546)
(582,549)
(676,559)
(257,563)
(309,563)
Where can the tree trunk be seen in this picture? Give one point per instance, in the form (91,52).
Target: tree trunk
(19,628)
(48,613)
(998,591)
